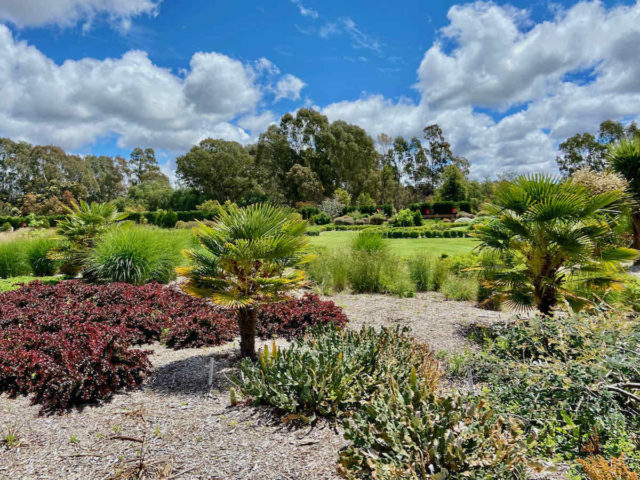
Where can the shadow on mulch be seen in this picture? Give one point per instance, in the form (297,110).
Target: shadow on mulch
(191,375)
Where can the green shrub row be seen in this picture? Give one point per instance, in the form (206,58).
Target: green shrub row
(443,231)
(161,218)
(440,208)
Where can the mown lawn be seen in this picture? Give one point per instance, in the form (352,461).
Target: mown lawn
(405,247)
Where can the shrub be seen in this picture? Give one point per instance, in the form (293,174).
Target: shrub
(13,259)
(404,218)
(377,219)
(409,431)
(7,227)
(292,318)
(422,271)
(321,219)
(332,371)
(455,287)
(165,218)
(417,219)
(598,468)
(73,365)
(37,253)
(345,220)
(564,378)
(135,255)
(147,312)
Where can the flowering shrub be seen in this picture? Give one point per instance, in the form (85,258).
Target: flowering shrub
(291,319)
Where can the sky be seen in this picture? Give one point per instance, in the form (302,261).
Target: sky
(506,81)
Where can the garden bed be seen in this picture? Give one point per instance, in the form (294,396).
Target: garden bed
(191,432)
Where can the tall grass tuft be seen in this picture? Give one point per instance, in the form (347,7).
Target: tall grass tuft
(136,255)
(369,242)
(422,270)
(13,259)
(37,254)
(456,287)
(329,271)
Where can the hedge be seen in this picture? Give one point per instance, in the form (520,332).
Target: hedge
(397,232)
(161,218)
(440,208)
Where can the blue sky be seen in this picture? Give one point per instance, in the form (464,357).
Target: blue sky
(506,81)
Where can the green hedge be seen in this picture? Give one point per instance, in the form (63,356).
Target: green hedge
(440,208)
(396,232)
(161,218)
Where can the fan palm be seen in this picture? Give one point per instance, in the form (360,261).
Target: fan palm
(555,236)
(84,222)
(624,157)
(248,257)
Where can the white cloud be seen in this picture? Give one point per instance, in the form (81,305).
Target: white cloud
(507,91)
(289,86)
(304,11)
(65,13)
(359,39)
(79,101)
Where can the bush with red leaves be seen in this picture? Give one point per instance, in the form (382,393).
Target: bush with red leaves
(292,318)
(75,364)
(70,343)
(148,313)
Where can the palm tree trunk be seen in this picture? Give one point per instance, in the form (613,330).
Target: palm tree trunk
(247,323)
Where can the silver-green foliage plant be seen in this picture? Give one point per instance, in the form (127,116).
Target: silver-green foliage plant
(332,371)
(566,378)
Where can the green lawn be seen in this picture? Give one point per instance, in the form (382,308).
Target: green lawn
(13,283)
(405,247)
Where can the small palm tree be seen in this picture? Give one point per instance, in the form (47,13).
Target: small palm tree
(84,222)
(555,234)
(624,157)
(248,257)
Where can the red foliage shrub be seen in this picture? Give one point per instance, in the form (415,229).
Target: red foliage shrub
(70,343)
(78,363)
(291,319)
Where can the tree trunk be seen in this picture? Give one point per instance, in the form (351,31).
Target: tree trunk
(247,322)
(635,223)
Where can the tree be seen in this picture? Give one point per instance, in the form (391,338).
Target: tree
(152,194)
(141,163)
(249,256)
(586,151)
(453,186)
(303,185)
(553,233)
(624,157)
(220,169)
(84,222)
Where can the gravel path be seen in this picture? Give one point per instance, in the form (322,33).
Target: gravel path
(176,427)
(433,320)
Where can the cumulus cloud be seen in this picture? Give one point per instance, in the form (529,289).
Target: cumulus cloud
(289,86)
(506,91)
(79,101)
(65,13)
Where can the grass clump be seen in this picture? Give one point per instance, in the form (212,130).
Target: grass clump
(13,259)
(38,256)
(135,255)
(422,270)
(456,287)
